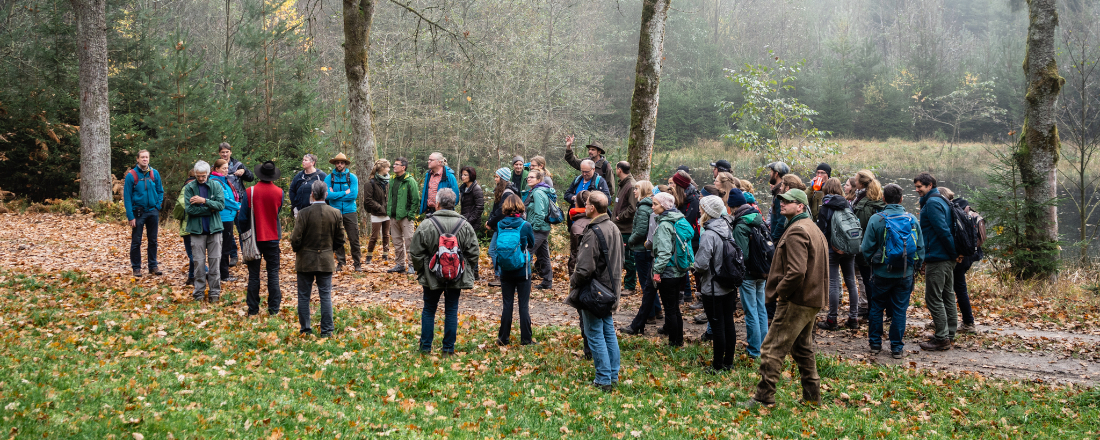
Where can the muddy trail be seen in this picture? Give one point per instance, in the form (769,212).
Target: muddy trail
(1026,351)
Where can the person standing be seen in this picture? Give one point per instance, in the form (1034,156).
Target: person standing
(438,176)
(746,220)
(471,198)
(963,265)
(343,194)
(143,195)
(228,216)
(589,180)
(776,220)
(317,233)
(718,301)
(594,265)
(265,200)
(236,174)
(596,154)
(374,200)
(939,266)
(687,201)
(539,200)
(539,163)
(519,176)
(301,184)
(840,264)
(626,204)
(643,259)
(867,201)
(513,255)
(502,189)
(671,249)
(425,245)
(204,201)
(799,281)
(401,207)
(891,285)
(180,214)
(823,173)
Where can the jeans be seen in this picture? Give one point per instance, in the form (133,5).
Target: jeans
(206,254)
(450,320)
(542,257)
(227,237)
(628,265)
(271,254)
(643,265)
(839,263)
(720,317)
(351,227)
(865,288)
(604,345)
(791,332)
(493,254)
(889,295)
(149,221)
(939,295)
(670,288)
(509,289)
(756,316)
(324,290)
(401,231)
(962,294)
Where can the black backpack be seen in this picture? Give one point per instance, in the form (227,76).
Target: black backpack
(732,271)
(963,231)
(761,250)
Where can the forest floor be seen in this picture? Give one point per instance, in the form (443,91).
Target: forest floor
(1029,343)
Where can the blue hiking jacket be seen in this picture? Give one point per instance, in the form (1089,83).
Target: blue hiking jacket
(337,183)
(448,181)
(526,240)
(232,205)
(935,221)
(146,192)
(874,240)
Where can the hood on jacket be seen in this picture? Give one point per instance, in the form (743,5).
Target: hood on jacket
(835,202)
(719,225)
(510,222)
(648,201)
(670,215)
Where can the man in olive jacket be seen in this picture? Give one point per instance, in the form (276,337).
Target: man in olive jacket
(623,216)
(318,231)
(799,283)
(425,244)
(204,202)
(591,265)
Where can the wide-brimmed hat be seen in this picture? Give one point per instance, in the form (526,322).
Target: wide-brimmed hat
(267,172)
(339,158)
(596,145)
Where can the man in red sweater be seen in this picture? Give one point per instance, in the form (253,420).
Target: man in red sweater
(264,200)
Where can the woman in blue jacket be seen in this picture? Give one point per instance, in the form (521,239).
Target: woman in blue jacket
(232,205)
(515,238)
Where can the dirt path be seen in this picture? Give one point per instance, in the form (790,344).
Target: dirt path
(51,243)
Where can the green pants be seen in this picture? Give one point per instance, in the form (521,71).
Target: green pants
(631,276)
(939,295)
(792,332)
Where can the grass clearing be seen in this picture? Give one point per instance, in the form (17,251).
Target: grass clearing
(102,359)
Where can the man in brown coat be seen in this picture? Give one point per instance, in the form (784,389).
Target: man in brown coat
(317,231)
(623,217)
(799,283)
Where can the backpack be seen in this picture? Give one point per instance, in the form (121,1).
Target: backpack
(760,252)
(844,232)
(553,211)
(731,272)
(509,254)
(979,226)
(447,263)
(682,255)
(899,246)
(963,231)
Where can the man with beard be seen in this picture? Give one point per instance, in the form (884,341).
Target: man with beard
(778,222)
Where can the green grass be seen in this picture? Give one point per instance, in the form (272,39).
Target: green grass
(86,359)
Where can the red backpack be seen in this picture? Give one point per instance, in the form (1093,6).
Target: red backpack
(447,263)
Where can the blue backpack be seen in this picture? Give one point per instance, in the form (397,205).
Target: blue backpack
(683,256)
(509,254)
(899,248)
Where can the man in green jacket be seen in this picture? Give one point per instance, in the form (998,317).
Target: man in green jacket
(402,206)
(204,203)
(317,233)
(424,245)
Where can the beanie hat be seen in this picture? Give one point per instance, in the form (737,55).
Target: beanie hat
(826,168)
(504,173)
(681,181)
(737,198)
(749,198)
(779,167)
(713,206)
(517,159)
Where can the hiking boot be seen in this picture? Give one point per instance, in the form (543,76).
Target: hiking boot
(753,404)
(189,282)
(495,282)
(661,330)
(155,271)
(545,286)
(230,279)
(396,269)
(706,337)
(876,349)
(701,318)
(936,345)
(852,324)
(930,326)
(605,388)
(897,354)
(232,261)
(358,268)
(659,315)
(967,328)
(410,271)
(651,320)
(501,343)
(828,324)
(340,267)
(626,293)
(697,305)
(628,330)
(369,259)
(137,273)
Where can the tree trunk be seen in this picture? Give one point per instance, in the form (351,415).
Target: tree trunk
(643,106)
(95,115)
(1037,151)
(358,15)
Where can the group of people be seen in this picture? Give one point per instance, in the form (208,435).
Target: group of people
(669,241)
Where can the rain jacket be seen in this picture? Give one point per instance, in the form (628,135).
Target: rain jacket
(425,243)
(874,240)
(640,230)
(337,183)
(935,222)
(538,205)
(665,245)
(708,260)
(146,192)
(215,202)
(448,181)
(745,219)
(232,204)
(402,199)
